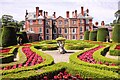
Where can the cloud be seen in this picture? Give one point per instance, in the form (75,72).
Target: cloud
(99,9)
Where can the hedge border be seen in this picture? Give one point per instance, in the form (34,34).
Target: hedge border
(48,61)
(113,51)
(75,60)
(98,56)
(52,70)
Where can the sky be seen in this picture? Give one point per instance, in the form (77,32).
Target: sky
(100,10)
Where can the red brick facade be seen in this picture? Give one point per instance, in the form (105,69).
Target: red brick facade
(49,27)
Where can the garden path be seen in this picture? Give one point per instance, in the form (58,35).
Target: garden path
(60,57)
(112,57)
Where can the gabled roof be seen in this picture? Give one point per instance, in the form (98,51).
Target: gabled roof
(60,17)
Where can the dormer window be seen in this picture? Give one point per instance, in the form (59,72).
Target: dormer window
(40,21)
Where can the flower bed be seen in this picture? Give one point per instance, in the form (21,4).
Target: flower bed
(75,60)
(32,59)
(71,71)
(115,50)
(5,50)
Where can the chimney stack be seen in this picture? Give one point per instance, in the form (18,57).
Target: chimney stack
(82,12)
(67,14)
(54,14)
(87,10)
(40,12)
(96,23)
(75,13)
(102,23)
(46,14)
(37,11)
(72,14)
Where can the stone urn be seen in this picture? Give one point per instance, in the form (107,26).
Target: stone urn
(61,43)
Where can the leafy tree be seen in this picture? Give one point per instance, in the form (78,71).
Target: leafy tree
(7,19)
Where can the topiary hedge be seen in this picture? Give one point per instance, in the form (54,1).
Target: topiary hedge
(102,34)
(86,35)
(51,71)
(8,36)
(24,37)
(7,58)
(93,36)
(116,33)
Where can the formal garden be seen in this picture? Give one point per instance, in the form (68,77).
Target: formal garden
(28,61)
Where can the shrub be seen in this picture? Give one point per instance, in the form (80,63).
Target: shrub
(49,47)
(116,33)
(93,36)
(7,58)
(8,36)
(113,51)
(86,35)
(102,34)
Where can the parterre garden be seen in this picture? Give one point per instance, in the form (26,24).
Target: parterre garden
(33,64)
(28,62)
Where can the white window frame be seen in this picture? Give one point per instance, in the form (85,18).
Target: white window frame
(74,36)
(31,22)
(47,37)
(55,30)
(40,21)
(74,22)
(81,29)
(81,37)
(74,29)
(47,29)
(40,30)
(60,22)
(87,28)
(65,30)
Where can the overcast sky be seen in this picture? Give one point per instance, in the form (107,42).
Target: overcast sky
(100,10)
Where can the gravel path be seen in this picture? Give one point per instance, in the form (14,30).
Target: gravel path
(112,57)
(60,57)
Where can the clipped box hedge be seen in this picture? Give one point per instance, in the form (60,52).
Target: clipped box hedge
(93,36)
(99,56)
(113,51)
(48,61)
(86,35)
(75,60)
(52,70)
(7,58)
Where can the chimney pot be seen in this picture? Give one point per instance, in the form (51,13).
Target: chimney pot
(40,12)
(54,14)
(75,13)
(67,14)
(37,11)
(82,12)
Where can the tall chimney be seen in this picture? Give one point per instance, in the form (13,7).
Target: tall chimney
(72,14)
(67,14)
(87,10)
(82,12)
(46,14)
(96,23)
(37,11)
(102,23)
(75,13)
(54,14)
(40,12)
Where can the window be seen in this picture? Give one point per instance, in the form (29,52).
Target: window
(47,37)
(66,21)
(60,30)
(40,21)
(81,29)
(66,37)
(40,30)
(34,16)
(74,30)
(31,22)
(74,22)
(54,30)
(73,37)
(87,28)
(31,29)
(47,30)
(81,37)
(66,30)
(60,22)
(54,22)
(87,21)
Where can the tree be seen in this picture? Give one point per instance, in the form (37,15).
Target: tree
(7,19)
(8,37)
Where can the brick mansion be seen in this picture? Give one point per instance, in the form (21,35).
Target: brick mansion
(40,26)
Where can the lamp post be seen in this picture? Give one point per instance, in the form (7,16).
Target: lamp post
(61,43)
